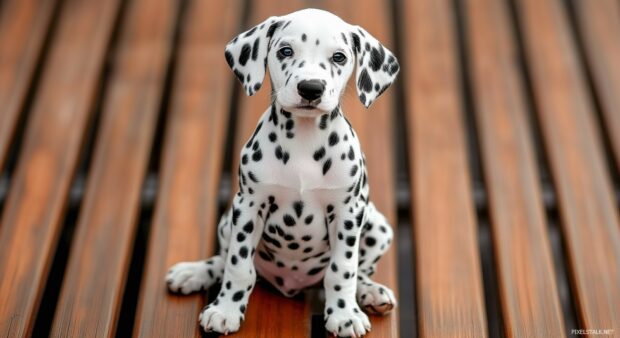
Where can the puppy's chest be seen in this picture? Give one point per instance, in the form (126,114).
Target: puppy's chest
(306,161)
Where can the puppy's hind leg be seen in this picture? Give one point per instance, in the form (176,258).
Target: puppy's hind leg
(188,277)
(375,240)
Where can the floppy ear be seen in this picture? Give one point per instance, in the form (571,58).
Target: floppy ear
(246,54)
(376,66)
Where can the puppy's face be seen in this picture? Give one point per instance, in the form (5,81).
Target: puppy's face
(311,54)
(310,62)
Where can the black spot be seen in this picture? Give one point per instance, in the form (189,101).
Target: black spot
(299,208)
(303,37)
(293,246)
(370,241)
(323,122)
(228,285)
(363,98)
(333,139)
(348,254)
(237,296)
(289,124)
(314,271)
(243,252)
(319,154)
(233,260)
(255,49)
(356,42)
(329,311)
(252,177)
(273,116)
(248,227)
(288,220)
(354,170)
(327,165)
(272,137)
(306,238)
(235,215)
(351,240)
(264,256)
(348,225)
(229,58)
(273,28)
(240,237)
(341,303)
(285,157)
(308,219)
(330,208)
(279,281)
(242,308)
(245,54)
(364,82)
(334,267)
(337,287)
(257,155)
(279,152)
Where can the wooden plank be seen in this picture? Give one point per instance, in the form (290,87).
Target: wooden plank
(449,282)
(528,292)
(290,317)
(94,282)
(599,24)
(34,211)
(184,226)
(589,216)
(374,127)
(23,25)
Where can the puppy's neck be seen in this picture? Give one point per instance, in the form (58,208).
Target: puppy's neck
(294,128)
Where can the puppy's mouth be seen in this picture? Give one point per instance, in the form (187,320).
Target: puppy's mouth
(306,107)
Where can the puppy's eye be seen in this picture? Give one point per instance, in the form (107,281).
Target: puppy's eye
(286,52)
(339,57)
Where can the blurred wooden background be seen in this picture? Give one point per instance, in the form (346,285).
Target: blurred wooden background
(496,156)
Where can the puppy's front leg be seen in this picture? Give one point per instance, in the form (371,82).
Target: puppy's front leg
(226,313)
(343,316)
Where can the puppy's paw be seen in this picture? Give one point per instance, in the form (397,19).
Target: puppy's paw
(375,298)
(188,277)
(347,321)
(217,318)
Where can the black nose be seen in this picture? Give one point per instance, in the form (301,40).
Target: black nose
(310,89)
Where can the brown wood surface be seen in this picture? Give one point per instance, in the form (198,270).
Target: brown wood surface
(23,24)
(94,281)
(449,282)
(599,23)
(528,293)
(33,215)
(184,225)
(588,215)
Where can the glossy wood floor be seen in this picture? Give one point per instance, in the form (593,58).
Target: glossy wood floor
(496,156)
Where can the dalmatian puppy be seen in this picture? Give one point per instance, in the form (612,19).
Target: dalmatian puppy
(302,214)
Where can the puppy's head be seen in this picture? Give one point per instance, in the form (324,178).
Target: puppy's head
(310,55)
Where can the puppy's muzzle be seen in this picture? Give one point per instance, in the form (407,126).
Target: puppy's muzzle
(310,89)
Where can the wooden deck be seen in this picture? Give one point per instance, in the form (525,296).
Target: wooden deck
(496,156)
